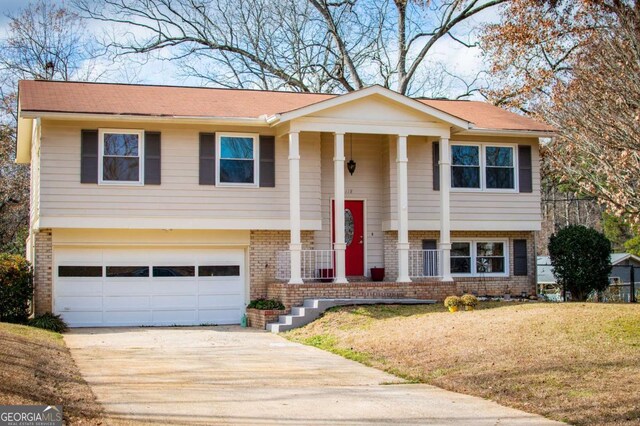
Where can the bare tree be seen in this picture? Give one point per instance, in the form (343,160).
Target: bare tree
(303,45)
(44,41)
(598,112)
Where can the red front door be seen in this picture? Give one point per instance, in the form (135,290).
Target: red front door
(353,236)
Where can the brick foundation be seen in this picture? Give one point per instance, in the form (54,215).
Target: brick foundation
(494,286)
(265,244)
(294,294)
(43,271)
(258,318)
(262,256)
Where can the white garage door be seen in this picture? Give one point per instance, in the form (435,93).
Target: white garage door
(148,286)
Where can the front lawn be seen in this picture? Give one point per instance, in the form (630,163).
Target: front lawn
(36,368)
(573,362)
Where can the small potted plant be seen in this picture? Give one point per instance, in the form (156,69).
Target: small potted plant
(377,274)
(452,302)
(469,301)
(507,293)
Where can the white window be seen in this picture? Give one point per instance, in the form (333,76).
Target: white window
(480,258)
(465,166)
(483,167)
(237,156)
(499,167)
(121,153)
(461,258)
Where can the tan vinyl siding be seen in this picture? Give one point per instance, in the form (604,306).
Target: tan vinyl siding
(484,209)
(365,184)
(179,195)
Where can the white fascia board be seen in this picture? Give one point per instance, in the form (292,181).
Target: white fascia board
(464,225)
(362,93)
(98,222)
(504,132)
(243,121)
(312,124)
(26,127)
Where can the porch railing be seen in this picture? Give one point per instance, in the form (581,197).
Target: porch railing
(425,263)
(314,265)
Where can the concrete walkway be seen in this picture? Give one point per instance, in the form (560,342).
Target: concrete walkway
(229,375)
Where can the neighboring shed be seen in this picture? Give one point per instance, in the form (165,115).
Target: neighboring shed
(620,262)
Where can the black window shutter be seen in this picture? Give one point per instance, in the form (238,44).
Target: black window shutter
(436,165)
(207,158)
(267,161)
(520,257)
(89,157)
(524,168)
(152,162)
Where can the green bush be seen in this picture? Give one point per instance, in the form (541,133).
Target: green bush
(50,322)
(16,288)
(266,304)
(581,260)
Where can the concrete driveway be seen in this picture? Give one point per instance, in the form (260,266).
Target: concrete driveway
(229,375)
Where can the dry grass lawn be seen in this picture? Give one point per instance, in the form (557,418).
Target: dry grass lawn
(578,363)
(37,368)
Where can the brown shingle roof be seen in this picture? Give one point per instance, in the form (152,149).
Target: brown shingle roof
(486,116)
(175,101)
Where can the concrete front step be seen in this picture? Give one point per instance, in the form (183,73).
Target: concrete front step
(311,309)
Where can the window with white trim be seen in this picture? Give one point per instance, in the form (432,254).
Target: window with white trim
(120,156)
(483,167)
(237,159)
(499,167)
(461,258)
(479,258)
(465,166)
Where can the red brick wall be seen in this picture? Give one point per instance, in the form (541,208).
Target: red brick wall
(294,294)
(262,257)
(260,318)
(43,272)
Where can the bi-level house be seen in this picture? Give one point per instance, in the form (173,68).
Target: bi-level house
(156,205)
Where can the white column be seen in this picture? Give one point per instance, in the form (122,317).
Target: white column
(338,177)
(445,209)
(403,211)
(295,246)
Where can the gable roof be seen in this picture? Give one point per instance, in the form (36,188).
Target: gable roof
(40,96)
(373,91)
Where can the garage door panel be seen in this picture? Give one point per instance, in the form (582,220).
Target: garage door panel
(162,286)
(173,293)
(79,288)
(137,317)
(127,303)
(220,301)
(79,303)
(220,287)
(170,317)
(174,302)
(83,319)
(127,288)
(220,316)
